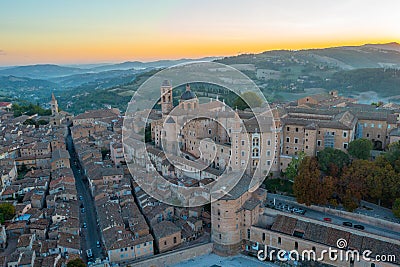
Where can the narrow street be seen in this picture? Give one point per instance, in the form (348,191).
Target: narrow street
(91,234)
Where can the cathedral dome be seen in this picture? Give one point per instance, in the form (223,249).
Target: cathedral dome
(188,94)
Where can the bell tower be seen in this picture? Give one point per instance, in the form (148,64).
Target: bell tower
(54,105)
(166,97)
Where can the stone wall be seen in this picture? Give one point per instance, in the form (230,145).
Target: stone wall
(174,257)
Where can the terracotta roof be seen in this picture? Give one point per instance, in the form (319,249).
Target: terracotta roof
(284,224)
(164,229)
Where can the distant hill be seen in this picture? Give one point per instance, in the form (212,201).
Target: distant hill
(23,83)
(41,71)
(385,82)
(104,78)
(389,46)
(153,64)
(51,71)
(345,57)
(366,56)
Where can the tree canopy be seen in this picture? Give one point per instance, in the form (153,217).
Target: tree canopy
(76,263)
(7,212)
(331,178)
(292,169)
(360,148)
(396,208)
(248,97)
(332,160)
(30,109)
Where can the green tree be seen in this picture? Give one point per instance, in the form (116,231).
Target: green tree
(30,109)
(393,155)
(76,263)
(332,160)
(7,211)
(22,171)
(396,208)
(360,148)
(292,169)
(246,98)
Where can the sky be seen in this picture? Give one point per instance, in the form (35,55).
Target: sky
(94,31)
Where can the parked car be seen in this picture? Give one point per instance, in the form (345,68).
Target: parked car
(327,219)
(359,226)
(98,244)
(84,225)
(89,253)
(83,210)
(349,224)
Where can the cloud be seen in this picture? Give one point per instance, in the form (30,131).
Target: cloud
(2,52)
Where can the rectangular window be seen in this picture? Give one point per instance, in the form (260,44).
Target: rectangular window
(296,140)
(288,139)
(297,129)
(269,142)
(268,162)
(242,142)
(344,134)
(345,145)
(318,142)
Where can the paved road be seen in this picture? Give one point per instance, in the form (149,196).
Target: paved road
(374,211)
(91,234)
(317,215)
